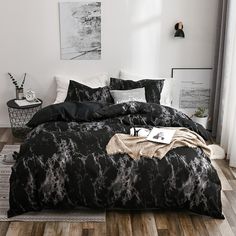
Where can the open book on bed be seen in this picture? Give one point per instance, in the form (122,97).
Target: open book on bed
(159,135)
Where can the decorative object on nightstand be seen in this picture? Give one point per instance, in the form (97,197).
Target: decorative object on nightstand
(20,113)
(200,116)
(30,96)
(19,88)
(179,30)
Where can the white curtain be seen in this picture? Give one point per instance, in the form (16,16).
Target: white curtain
(227,115)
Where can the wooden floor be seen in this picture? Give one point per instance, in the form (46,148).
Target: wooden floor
(139,223)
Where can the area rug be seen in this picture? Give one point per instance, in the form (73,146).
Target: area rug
(82,215)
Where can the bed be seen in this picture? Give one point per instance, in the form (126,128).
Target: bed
(63,163)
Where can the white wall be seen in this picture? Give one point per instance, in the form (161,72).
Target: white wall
(137,35)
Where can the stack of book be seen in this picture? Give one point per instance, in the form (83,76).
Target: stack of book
(24,102)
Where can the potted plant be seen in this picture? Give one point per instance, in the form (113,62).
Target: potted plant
(200,116)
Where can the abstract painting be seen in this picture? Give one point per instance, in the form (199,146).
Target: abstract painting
(80,29)
(192,88)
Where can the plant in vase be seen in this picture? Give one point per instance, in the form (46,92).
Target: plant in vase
(19,88)
(201,116)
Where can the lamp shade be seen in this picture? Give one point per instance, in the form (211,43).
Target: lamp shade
(179,30)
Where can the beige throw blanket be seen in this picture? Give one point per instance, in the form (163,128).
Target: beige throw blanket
(136,147)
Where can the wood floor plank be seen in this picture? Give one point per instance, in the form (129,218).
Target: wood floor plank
(233,171)
(13,229)
(174,226)
(187,225)
(38,229)
(57,229)
(20,229)
(1,146)
(224,166)
(163,232)
(75,229)
(3,228)
(5,135)
(144,224)
(111,224)
(88,225)
(136,224)
(224,227)
(12,140)
(50,229)
(232,184)
(231,196)
(149,224)
(199,225)
(124,224)
(212,227)
(2,130)
(100,229)
(87,232)
(161,220)
(233,229)
(228,210)
(224,181)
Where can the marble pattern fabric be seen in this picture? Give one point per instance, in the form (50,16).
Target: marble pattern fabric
(64,165)
(80,92)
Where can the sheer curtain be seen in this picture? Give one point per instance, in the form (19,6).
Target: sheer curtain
(227,114)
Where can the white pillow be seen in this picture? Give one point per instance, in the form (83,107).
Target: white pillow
(166,94)
(121,96)
(62,83)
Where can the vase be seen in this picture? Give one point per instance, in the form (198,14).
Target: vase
(201,120)
(19,93)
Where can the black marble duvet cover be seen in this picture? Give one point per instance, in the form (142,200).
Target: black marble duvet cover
(63,164)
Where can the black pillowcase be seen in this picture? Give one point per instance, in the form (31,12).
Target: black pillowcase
(153,88)
(80,92)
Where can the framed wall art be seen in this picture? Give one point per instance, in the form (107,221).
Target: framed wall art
(192,88)
(80,30)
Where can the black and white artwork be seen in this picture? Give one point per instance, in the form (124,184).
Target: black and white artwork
(80,28)
(192,88)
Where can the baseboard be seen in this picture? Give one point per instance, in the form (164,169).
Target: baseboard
(5,125)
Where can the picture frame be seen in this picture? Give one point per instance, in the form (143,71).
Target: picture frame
(80,30)
(192,88)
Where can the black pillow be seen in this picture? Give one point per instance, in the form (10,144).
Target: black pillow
(153,88)
(80,92)
(66,111)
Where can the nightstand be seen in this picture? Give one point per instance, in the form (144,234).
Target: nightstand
(20,116)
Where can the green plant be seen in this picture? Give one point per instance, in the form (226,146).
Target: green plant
(200,112)
(15,82)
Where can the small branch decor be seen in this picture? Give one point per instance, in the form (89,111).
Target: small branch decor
(16,83)
(19,88)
